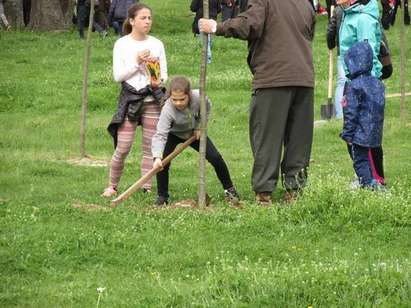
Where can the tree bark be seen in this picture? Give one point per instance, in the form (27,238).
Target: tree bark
(13,9)
(51,15)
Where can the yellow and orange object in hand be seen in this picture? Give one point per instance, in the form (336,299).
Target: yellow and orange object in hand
(153,70)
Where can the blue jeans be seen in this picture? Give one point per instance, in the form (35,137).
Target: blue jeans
(339,89)
(208,47)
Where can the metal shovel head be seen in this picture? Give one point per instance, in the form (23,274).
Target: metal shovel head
(327,110)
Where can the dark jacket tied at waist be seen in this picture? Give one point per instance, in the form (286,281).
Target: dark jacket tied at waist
(130,104)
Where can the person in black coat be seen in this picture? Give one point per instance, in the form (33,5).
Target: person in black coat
(83,13)
(196,6)
(214,7)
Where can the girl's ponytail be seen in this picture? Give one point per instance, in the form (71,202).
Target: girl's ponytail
(127,27)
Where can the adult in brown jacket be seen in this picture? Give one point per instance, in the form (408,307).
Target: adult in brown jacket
(279,35)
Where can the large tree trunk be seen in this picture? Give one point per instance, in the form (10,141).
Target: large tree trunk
(51,14)
(13,10)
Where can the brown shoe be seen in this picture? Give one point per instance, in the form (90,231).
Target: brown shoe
(263,198)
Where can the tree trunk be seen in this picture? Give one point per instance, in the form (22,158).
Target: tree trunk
(13,9)
(51,15)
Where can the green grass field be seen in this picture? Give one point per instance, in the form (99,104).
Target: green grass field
(60,241)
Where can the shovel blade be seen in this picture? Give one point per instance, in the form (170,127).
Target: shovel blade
(327,111)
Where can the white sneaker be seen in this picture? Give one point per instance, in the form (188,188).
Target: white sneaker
(355,184)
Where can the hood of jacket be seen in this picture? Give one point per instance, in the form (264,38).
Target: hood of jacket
(359,59)
(369,7)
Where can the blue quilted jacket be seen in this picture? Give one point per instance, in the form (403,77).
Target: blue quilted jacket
(364,105)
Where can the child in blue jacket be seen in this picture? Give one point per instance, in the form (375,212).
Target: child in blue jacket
(363,112)
(361,22)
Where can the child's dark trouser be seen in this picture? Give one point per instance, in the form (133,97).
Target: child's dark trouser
(376,158)
(362,165)
(212,156)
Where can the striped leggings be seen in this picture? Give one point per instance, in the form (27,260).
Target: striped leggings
(125,139)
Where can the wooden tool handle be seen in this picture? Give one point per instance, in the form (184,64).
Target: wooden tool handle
(133,188)
(330,65)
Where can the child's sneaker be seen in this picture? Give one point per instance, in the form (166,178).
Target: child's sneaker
(146,190)
(161,201)
(377,186)
(355,184)
(109,192)
(232,196)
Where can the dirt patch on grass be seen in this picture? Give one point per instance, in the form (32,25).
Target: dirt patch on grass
(91,207)
(88,162)
(189,204)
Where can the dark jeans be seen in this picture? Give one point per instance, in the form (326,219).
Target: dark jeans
(212,156)
(118,27)
(281,130)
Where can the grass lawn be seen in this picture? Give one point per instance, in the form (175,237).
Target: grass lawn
(60,241)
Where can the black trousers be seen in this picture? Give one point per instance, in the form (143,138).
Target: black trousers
(83,13)
(212,156)
(406,12)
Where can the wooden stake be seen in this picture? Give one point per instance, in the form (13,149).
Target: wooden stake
(397,95)
(203,113)
(403,110)
(84,103)
(133,188)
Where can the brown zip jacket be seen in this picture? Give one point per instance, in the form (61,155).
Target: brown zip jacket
(279,35)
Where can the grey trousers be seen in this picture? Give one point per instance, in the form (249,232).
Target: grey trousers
(281,122)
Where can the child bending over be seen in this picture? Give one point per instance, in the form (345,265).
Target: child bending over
(363,113)
(179,120)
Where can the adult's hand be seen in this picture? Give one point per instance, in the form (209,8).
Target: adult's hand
(207,25)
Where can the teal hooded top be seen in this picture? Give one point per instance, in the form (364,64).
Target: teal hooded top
(361,22)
